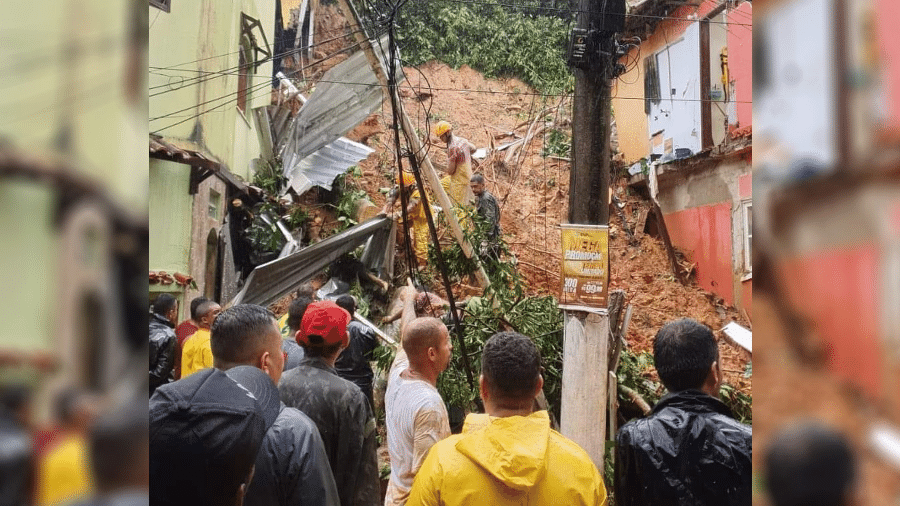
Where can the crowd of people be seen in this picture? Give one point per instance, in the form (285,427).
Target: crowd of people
(249,429)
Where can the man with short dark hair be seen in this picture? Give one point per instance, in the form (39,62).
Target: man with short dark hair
(509,455)
(338,407)
(205,434)
(487,207)
(197,354)
(812,464)
(293,351)
(354,363)
(291,467)
(690,450)
(162,340)
(186,329)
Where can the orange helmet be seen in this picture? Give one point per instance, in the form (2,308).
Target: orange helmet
(441,128)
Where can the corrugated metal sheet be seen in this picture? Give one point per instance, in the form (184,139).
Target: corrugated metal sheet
(344,97)
(273,280)
(321,167)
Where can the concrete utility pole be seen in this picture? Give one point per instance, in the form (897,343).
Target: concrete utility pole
(585,349)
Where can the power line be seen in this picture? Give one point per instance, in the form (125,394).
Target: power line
(249,92)
(208,75)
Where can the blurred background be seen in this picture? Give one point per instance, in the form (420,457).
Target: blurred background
(73,211)
(826,190)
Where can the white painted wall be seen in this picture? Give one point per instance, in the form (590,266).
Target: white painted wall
(677,114)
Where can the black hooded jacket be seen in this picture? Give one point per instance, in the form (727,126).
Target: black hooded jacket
(688,451)
(162,351)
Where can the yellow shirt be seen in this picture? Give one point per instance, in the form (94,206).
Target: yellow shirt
(283,326)
(64,474)
(197,354)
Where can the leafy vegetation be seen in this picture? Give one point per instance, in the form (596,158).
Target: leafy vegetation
(496,41)
(350,193)
(557,144)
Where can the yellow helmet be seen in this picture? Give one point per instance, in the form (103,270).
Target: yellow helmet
(406,179)
(441,128)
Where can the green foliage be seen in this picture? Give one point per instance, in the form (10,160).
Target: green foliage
(363,302)
(496,41)
(349,195)
(270,179)
(557,144)
(265,238)
(503,306)
(740,403)
(634,373)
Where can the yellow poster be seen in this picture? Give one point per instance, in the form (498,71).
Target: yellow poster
(585,267)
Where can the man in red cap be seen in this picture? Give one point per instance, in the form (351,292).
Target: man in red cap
(339,408)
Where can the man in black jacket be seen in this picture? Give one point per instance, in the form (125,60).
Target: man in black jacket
(690,450)
(338,407)
(354,363)
(291,467)
(162,340)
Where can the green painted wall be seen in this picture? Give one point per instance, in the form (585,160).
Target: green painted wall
(170,216)
(193,66)
(30,265)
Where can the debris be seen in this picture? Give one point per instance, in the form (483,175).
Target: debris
(739,336)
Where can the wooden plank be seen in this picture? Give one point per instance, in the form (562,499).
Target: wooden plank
(313,4)
(613,405)
(640,223)
(299,35)
(584,382)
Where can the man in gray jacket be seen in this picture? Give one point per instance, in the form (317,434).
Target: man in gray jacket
(292,467)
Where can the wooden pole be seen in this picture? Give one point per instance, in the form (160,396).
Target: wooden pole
(416,144)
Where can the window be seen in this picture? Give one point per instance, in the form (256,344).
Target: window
(651,83)
(747,210)
(163,5)
(215,201)
(245,67)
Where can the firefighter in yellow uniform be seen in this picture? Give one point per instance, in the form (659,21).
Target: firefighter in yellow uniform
(415,210)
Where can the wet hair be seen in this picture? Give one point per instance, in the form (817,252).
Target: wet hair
(195,305)
(477,178)
(422,333)
(164,303)
(306,290)
(683,351)
(116,440)
(810,465)
(296,311)
(511,366)
(240,332)
(348,303)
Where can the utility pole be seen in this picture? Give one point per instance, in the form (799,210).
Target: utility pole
(586,334)
(409,130)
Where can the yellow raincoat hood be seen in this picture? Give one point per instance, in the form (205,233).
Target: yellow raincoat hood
(512,449)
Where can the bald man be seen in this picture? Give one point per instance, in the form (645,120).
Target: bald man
(414,411)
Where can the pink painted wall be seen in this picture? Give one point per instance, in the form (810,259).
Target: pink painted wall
(704,233)
(836,291)
(740,60)
(745,186)
(887,14)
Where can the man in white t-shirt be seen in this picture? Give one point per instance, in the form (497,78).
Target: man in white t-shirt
(415,414)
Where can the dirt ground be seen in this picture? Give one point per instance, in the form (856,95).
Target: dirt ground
(796,391)
(533,193)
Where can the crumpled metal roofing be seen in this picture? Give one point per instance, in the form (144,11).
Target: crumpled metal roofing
(344,97)
(273,280)
(321,167)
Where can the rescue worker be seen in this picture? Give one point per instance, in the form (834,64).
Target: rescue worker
(459,164)
(509,455)
(414,210)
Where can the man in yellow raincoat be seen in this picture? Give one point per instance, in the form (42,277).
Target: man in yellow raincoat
(510,455)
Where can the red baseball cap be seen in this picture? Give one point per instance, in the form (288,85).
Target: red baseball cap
(327,320)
